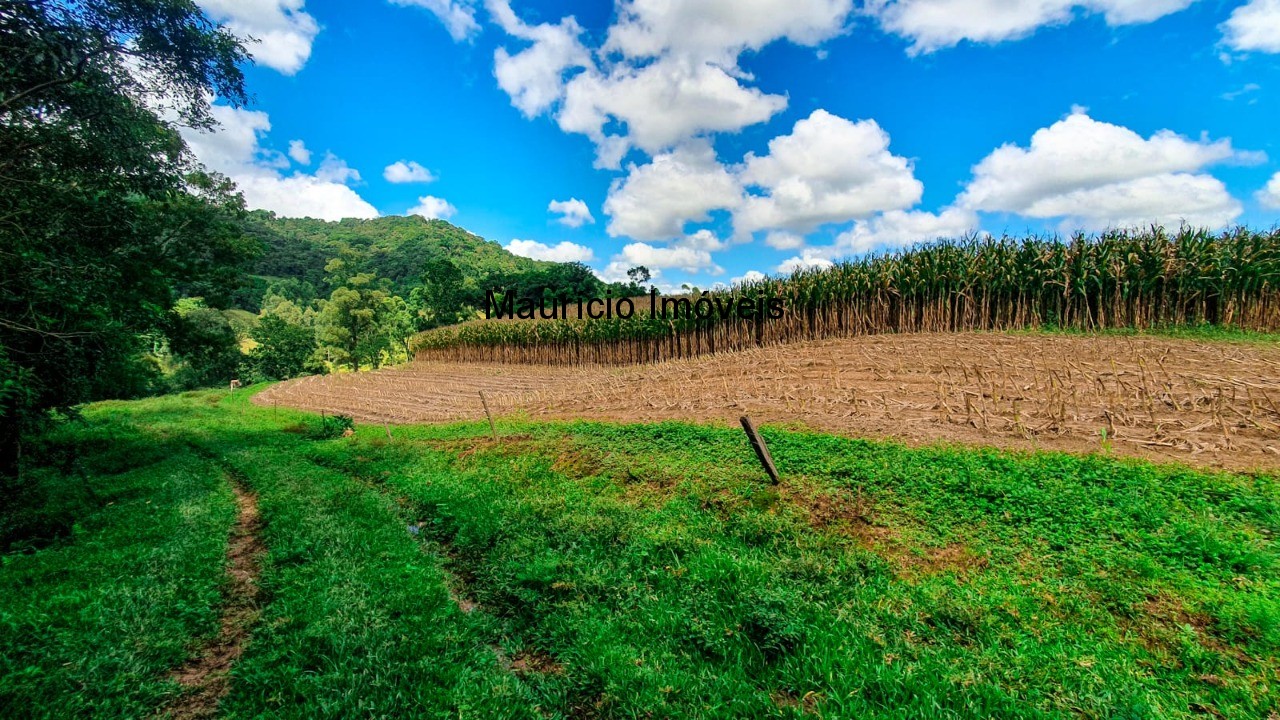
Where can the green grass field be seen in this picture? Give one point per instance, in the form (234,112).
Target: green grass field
(581,570)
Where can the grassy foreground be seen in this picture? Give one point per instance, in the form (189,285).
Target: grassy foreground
(595,570)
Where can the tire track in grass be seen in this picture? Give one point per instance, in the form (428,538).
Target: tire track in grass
(206,677)
(458,576)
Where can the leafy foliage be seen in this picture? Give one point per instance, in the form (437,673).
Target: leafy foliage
(204,341)
(284,349)
(102,214)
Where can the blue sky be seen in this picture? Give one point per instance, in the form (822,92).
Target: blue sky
(711,139)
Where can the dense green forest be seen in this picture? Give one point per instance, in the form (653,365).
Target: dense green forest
(319,295)
(128,269)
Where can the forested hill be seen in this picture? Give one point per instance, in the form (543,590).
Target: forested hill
(396,248)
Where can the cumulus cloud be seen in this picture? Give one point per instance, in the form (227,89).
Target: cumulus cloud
(702,240)
(303,196)
(234,150)
(807,260)
(534,77)
(661,104)
(1269,196)
(459,18)
(562,252)
(403,171)
(721,29)
(279,31)
(932,25)
(828,170)
(667,71)
(780,240)
(680,257)
(433,208)
(299,152)
(1095,175)
(898,228)
(573,212)
(656,200)
(749,276)
(1254,27)
(334,169)
(689,253)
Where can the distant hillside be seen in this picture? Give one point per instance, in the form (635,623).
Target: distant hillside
(399,249)
(395,247)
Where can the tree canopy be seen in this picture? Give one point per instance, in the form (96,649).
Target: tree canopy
(102,212)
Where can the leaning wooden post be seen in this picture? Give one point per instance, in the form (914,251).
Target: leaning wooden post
(492,429)
(762,450)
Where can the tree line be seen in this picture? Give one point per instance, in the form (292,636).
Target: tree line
(127,269)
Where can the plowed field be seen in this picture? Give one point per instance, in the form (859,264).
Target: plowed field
(1214,404)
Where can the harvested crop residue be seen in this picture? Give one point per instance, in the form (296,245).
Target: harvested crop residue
(1209,404)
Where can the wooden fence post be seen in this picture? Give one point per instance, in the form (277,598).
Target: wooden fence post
(492,429)
(762,450)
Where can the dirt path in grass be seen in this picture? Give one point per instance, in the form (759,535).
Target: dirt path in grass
(1209,404)
(206,678)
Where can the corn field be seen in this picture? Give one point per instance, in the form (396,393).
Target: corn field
(1121,279)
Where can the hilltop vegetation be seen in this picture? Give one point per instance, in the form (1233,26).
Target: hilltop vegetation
(362,287)
(129,270)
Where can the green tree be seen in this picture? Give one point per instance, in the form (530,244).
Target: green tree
(398,324)
(102,212)
(439,299)
(204,341)
(352,320)
(284,349)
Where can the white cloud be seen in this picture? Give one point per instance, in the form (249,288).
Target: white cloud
(680,257)
(458,17)
(661,104)
(749,276)
(283,31)
(780,240)
(432,208)
(573,212)
(563,252)
(807,260)
(656,200)
(1246,89)
(233,149)
(1096,175)
(534,77)
(828,170)
(898,228)
(299,152)
(721,29)
(667,71)
(936,24)
(403,171)
(702,240)
(303,196)
(335,170)
(1269,196)
(1170,199)
(690,253)
(1254,27)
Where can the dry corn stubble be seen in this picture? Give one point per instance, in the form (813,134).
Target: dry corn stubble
(1205,403)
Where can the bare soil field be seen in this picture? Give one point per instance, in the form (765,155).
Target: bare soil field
(1209,404)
